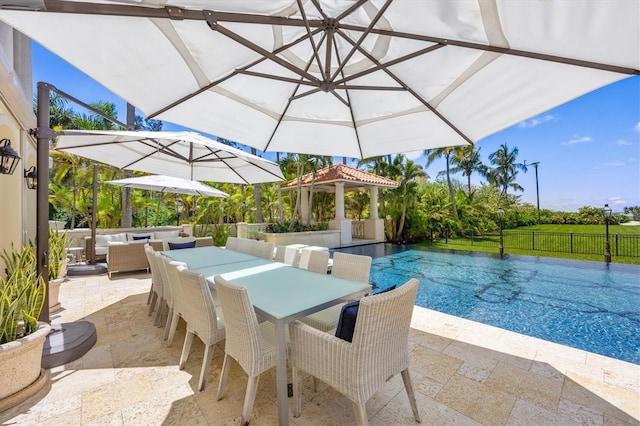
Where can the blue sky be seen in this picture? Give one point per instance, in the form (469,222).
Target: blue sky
(588,149)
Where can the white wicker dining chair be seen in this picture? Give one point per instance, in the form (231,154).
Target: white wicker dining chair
(314,260)
(358,369)
(244,245)
(167,291)
(177,307)
(202,318)
(353,267)
(250,343)
(262,249)
(231,244)
(157,286)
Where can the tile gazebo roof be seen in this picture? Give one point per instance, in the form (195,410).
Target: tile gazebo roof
(354,179)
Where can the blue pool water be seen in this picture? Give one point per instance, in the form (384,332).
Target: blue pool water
(586,305)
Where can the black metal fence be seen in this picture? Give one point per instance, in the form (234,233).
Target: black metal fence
(566,242)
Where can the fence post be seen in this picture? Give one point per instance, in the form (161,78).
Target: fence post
(533,240)
(616,244)
(571,242)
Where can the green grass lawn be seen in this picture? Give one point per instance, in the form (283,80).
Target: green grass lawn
(488,244)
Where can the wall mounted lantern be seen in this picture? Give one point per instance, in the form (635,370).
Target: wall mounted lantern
(31,176)
(8,157)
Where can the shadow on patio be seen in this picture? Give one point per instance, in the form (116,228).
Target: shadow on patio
(131,377)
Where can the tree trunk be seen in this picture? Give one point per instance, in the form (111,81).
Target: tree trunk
(452,195)
(125,199)
(280,202)
(258,197)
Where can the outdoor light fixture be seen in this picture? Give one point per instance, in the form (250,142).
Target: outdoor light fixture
(31,176)
(500,213)
(606,211)
(8,157)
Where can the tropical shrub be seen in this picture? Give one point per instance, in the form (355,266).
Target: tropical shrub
(22,294)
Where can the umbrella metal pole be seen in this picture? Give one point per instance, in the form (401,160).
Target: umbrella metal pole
(65,342)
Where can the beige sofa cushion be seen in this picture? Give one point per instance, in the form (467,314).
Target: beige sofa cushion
(163,235)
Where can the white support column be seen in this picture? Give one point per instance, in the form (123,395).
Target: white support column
(374,202)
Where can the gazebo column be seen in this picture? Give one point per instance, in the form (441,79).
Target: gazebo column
(374,227)
(339,222)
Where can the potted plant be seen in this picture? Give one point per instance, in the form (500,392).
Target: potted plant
(57,267)
(22,337)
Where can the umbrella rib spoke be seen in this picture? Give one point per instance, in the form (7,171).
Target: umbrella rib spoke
(413,93)
(496,49)
(353,118)
(286,108)
(364,34)
(276,77)
(389,64)
(232,74)
(213,24)
(311,40)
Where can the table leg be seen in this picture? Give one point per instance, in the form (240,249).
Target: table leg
(281,373)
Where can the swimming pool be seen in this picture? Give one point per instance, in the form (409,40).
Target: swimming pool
(586,305)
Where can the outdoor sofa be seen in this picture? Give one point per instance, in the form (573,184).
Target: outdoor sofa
(125,251)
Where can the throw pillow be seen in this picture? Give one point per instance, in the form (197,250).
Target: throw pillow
(178,246)
(348,316)
(141,237)
(347,321)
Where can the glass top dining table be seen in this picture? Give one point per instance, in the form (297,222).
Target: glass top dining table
(280,293)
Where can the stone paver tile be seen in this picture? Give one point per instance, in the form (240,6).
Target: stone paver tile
(432,413)
(114,397)
(614,401)
(527,414)
(479,402)
(174,406)
(433,364)
(579,413)
(534,388)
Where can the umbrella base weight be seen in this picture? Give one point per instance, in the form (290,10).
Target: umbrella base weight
(67,342)
(82,270)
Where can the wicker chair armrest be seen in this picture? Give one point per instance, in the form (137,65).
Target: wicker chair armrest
(321,354)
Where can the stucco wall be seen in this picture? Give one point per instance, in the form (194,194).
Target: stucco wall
(17,203)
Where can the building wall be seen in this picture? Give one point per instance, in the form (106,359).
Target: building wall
(17,202)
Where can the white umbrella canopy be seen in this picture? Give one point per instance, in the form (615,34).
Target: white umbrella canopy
(356,78)
(185,155)
(171,184)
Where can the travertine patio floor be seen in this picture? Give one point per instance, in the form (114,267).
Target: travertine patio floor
(464,373)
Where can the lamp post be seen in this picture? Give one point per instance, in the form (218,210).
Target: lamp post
(535,165)
(606,211)
(179,206)
(500,213)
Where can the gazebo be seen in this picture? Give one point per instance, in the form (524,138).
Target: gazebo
(339,179)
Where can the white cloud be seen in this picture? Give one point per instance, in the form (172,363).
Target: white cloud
(537,120)
(578,139)
(623,142)
(413,155)
(614,164)
(638,127)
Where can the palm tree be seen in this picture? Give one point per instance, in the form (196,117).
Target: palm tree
(467,161)
(407,172)
(435,153)
(315,162)
(503,175)
(378,166)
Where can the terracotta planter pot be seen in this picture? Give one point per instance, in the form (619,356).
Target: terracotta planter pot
(20,364)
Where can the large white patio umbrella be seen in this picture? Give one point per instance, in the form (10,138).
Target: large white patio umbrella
(185,155)
(356,78)
(170,184)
